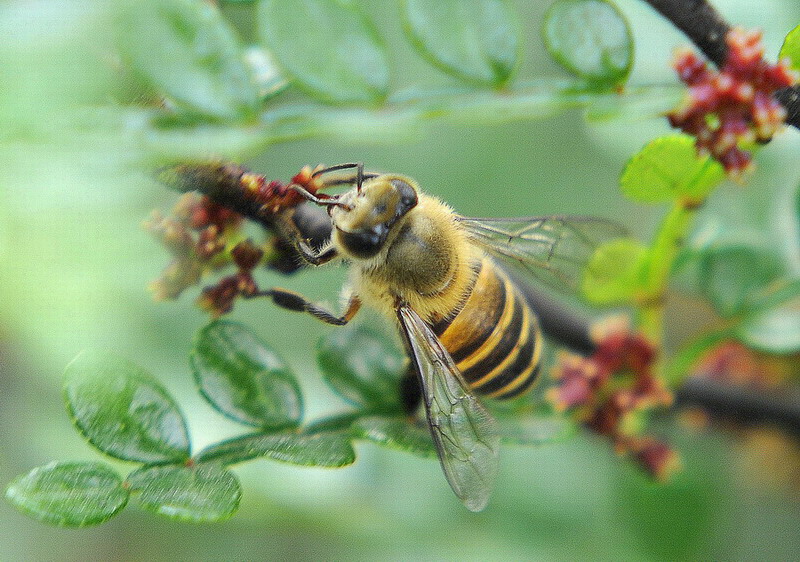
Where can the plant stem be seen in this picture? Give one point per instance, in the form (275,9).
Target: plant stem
(666,246)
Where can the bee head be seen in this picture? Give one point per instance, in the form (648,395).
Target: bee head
(365,217)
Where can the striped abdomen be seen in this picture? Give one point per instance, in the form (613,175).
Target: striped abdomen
(494,339)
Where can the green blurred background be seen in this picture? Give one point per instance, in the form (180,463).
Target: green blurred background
(75,186)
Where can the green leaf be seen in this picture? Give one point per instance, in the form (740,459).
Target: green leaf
(591,39)
(532,431)
(336,422)
(200,493)
(667,168)
(791,48)
(396,433)
(330,449)
(266,74)
(362,367)
(774,326)
(71,494)
(614,272)
(328,46)
(186,49)
(475,40)
(123,411)
(734,276)
(681,364)
(244,378)
(797,203)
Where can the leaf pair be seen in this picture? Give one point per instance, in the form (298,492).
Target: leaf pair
(125,413)
(668,169)
(77,494)
(331,50)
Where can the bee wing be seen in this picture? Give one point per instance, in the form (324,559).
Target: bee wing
(464,432)
(551,249)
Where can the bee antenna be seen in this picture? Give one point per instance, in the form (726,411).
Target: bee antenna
(359,176)
(348,166)
(359,179)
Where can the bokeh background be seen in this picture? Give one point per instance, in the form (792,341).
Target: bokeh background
(75,185)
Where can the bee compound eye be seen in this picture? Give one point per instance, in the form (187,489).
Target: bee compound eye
(362,244)
(408,196)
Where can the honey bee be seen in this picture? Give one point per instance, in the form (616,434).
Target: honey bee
(466,321)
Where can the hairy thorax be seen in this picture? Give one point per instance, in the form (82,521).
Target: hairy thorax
(428,265)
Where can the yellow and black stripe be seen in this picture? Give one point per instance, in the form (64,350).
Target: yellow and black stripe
(494,338)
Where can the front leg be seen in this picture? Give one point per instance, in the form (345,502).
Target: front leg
(297,302)
(315,257)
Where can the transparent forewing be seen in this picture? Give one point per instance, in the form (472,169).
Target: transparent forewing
(466,435)
(553,249)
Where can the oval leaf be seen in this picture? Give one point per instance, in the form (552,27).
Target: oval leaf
(667,168)
(336,422)
(266,74)
(199,493)
(186,49)
(775,326)
(396,433)
(69,494)
(123,411)
(734,276)
(244,378)
(328,46)
(791,48)
(591,39)
(361,366)
(476,40)
(329,449)
(614,272)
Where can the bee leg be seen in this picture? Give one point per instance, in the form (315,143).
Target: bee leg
(315,257)
(410,390)
(297,302)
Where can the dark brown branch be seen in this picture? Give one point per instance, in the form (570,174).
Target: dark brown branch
(790,99)
(743,405)
(220,182)
(701,23)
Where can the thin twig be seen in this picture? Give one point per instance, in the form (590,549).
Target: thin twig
(743,405)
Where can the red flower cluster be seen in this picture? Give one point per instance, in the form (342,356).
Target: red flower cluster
(201,229)
(607,390)
(270,197)
(195,234)
(733,106)
(218,299)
